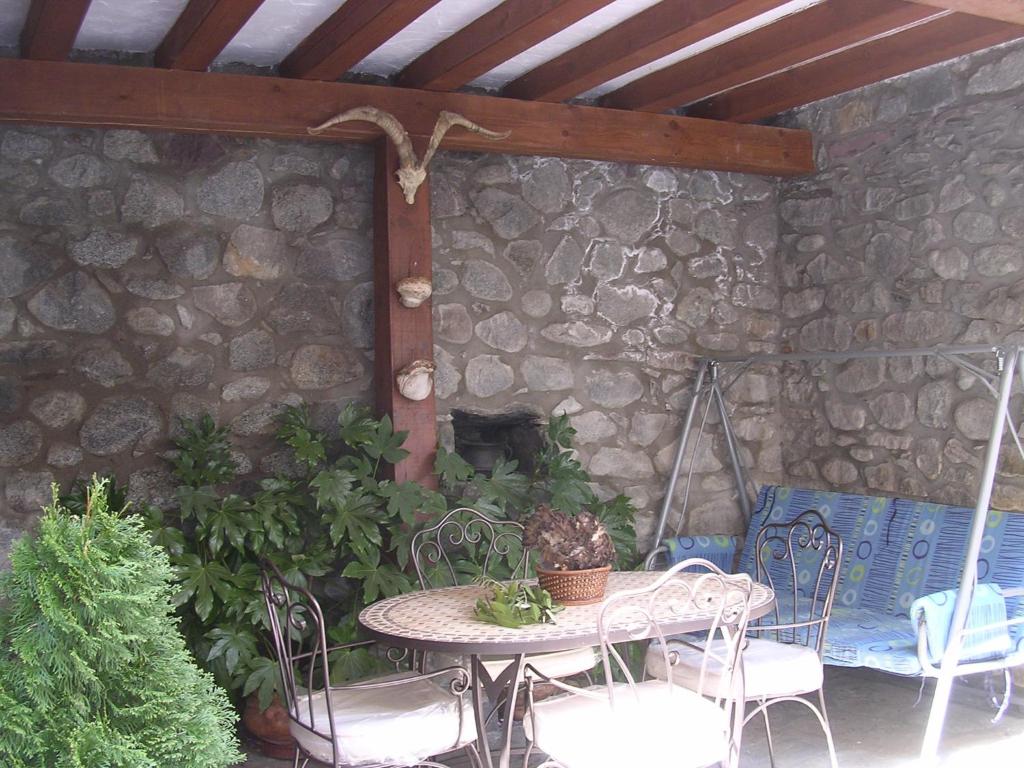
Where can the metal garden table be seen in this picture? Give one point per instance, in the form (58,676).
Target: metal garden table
(441,620)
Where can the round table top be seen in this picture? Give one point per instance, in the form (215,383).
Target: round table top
(442,620)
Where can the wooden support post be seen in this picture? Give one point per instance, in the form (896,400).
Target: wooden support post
(401,247)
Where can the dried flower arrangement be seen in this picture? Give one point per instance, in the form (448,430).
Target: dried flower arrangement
(567,542)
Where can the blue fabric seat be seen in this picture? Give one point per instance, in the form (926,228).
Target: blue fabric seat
(895,551)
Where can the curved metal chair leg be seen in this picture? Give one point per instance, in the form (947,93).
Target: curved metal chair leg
(474,755)
(826,726)
(822,721)
(768,735)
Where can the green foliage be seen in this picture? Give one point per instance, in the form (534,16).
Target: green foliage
(515,605)
(558,481)
(336,528)
(93,672)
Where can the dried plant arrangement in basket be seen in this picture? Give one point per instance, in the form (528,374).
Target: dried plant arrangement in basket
(576,554)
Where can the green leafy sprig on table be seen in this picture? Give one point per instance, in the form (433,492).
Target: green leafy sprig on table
(516,604)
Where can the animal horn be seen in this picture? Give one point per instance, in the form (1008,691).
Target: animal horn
(447,120)
(385,121)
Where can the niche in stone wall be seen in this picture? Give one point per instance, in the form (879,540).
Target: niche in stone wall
(483,438)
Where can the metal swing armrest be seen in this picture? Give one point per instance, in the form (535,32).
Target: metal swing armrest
(962,667)
(651,562)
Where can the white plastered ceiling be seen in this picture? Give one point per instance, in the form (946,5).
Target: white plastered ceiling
(279,25)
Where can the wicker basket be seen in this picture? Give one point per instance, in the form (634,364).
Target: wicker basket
(575,587)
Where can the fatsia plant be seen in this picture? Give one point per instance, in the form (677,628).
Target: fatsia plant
(335,527)
(93,670)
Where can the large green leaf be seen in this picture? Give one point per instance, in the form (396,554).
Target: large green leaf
(235,644)
(296,431)
(451,468)
(379,580)
(202,581)
(386,443)
(333,487)
(264,677)
(230,522)
(356,426)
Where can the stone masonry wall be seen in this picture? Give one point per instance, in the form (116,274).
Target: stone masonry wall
(144,277)
(909,236)
(590,289)
(148,277)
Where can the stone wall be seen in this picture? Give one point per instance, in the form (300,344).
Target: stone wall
(909,236)
(590,289)
(148,277)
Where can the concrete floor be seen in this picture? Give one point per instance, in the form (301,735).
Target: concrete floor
(876,725)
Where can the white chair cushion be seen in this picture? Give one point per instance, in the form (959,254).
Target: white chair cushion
(652,724)
(400,725)
(769,668)
(555,664)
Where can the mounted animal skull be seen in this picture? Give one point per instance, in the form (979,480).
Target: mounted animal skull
(411,172)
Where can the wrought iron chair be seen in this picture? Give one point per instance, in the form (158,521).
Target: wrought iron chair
(443,555)
(800,561)
(397,720)
(628,723)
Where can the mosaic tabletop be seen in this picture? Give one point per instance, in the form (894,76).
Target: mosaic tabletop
(442,620)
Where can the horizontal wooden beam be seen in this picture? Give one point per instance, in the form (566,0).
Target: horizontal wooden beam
(655,32)
(1001,10)
(51,28)
(247,105)
(202,31)
(499,35)
(792,40)
(349,35)
(944,38)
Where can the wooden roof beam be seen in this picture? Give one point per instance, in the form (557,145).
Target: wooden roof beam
(352,32)
(1001,10)
(202,31)
(792,40)
(497,36)
(51,28)
(104,95)
(655,32)
(944,38)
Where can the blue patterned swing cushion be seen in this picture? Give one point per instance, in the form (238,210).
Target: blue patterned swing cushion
(987,607)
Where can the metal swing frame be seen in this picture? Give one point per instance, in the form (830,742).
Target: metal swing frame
(709,391)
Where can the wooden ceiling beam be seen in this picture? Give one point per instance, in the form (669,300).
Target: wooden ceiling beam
(104,95)
(655,32)
(944,38)
(495,37)
(790,41)
(352,32)
(1000,10)
(202,31)
(51,28)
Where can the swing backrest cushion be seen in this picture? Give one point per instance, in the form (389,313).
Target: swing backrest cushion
(896,550)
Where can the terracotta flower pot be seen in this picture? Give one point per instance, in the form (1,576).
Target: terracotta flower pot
(269,728)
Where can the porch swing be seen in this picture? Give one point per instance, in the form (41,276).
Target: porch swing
(973,620)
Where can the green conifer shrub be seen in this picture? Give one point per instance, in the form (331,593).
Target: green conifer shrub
(93,670)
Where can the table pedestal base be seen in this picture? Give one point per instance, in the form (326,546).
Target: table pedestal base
(495,696)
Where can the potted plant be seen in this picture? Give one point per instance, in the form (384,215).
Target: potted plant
(575,551)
